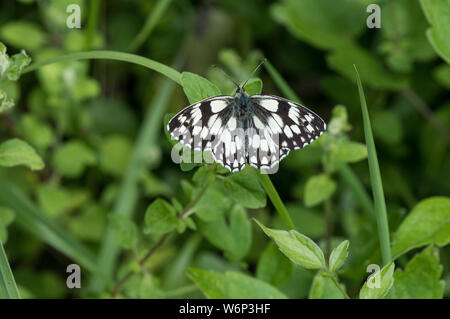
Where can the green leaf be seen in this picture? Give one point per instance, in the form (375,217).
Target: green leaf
(22,34)
(73,158)
(273,267)
(17,152)
(297,247)
(350,152)
(324,288)
(338,256)
(318,188)
(372,71)
(428,223)
(330,28)
(442,75)
(339,121)
(125,231)
(160,217)
(115,154)
(235,235)
(385,279)
(244,188)
(38,133)
(232,285)
(16,64)
(211,205)
(253,86)
(437,13)
(197,88)
(420,278)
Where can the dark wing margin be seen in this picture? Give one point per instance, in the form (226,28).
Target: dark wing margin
(285,126)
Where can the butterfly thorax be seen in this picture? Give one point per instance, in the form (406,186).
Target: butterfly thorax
(242,104)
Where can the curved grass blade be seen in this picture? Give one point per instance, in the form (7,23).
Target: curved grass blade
(171,73)
(375,179)
(7,282)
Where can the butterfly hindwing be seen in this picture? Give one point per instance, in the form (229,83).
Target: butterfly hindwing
(284,126)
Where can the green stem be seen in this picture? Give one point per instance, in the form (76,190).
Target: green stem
(152,20)
(7,282)
(336,282)
(171,73)
(375,178)
(92,22)
(275,199)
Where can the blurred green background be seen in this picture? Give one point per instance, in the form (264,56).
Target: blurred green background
(87,120)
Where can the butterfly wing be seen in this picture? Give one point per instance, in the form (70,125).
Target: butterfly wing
(280,126)
(199,125)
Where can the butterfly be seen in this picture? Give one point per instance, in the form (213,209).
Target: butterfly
(256,129)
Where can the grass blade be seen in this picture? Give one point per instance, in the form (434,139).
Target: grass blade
(375,179)
(265,181)
(7,282)
(171,73)
(37,223)
(128,194)
(156,13)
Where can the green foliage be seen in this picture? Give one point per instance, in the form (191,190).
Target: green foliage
(125,231)
(232,285)
(338,256)
(323,287)
(7,216)
(71,159)
(437,12)
(17,152)
(318,188)
(244,188)
(273,267)
(428,223)
(160,217)
(297,247)
(378,285)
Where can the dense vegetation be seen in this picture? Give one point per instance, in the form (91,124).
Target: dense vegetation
(86,175)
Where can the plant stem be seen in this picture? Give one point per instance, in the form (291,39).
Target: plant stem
(327,229)
(171,73)
(7,282)
(336,282)
(153,18)
(375,178)
(275,199)
(91,27)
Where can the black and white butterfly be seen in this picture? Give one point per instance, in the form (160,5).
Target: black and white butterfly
(256,129)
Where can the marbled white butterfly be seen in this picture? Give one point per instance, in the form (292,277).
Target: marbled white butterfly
(256,129)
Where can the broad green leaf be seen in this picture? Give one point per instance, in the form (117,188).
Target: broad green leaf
(235,234)
(421,277)
(17,152)
(253,86)
(244,188)
(318,188)
(297,247)
(22,34)
(212,205)
(338,256)
(372,71)
(379,284)
(160,217)
(232,285)
(71,159)
(204,175)
(55,200)
(437,13)
(38,133)
(333,26)
(428,223)
(115,154)
(125,231)
(350,152)
(197,88)
(324,288)
(273,267)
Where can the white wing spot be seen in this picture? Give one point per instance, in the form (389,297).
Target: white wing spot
(217,105)
(288,131)
(269,104)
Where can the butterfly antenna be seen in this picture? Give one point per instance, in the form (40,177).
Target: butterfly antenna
(254,71)
(226,74)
